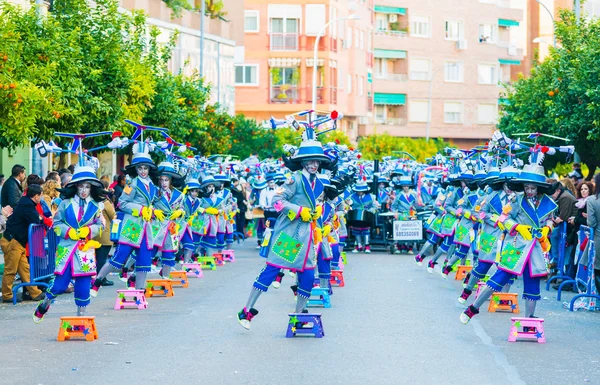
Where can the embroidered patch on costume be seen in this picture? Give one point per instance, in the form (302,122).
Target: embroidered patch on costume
(61,253)
(127,189)
(487,242)
(510,256)
(131,231)
(461,232)
(287,248)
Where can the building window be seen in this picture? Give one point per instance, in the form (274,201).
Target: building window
(453,72)
(251,21)
(284,34)
(487,33)
(419,69)
(379,113)
(246,75)
(349,37)
(349,84)
(380,66)
(418,110)
(362,39)
(419,27)
(487,74)
(340,78)
(453,30)
(486,114)
(356,38)
(381,22)
(452,112)
(361,86)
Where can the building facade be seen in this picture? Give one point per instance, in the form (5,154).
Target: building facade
(439,66)
(275,76)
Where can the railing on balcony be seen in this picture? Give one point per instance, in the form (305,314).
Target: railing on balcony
(332,95)
(392,77)
(369,103)
(284,93)
(391,121)
(333,43)
(283,41)
(389,32)
(369,59)
(320,94)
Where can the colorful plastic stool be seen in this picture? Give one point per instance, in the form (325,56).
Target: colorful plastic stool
(80,327)
(537,324)
(179,279)
(337,278)
(159,288)
(297,325)
(344,259)
(131,298)
(219,259)
(207,263)
(228,256)
(511,302)
(323,298)
(193,270)
(462,271)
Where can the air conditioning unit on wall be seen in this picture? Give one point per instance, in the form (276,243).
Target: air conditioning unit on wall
(393,18)
(461,44)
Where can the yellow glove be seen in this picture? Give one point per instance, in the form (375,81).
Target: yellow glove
(201,210)
(326,230)
(212,211)
(73,234)
(232,215)
(501,226)
(318,235)
(159,214)
(305,214)
(147,214)
(525,232)
(467,214)
(191,219)
(318,212)
(91,245)
(545,231)
(83,232)
(177,214)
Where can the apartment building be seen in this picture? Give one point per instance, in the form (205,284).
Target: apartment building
(275,76)
(439,65)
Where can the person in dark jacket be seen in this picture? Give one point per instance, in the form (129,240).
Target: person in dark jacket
(12,190)
(16,235)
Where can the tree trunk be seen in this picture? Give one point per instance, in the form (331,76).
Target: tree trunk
(592,171)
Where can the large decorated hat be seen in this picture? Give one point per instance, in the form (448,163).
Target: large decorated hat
(208,180)
(224,179)
(84,174)
(325,180)
(258,182)
(361,187)
(192,184)
(310,150)
(168,169)
(405,180)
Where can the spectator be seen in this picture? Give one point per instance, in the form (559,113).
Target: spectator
(569,186)
(114,182)
(576,175)
(4,214)
(71,169)
(65,178)
(119,188)
(104,238)
(16,234)
(584,192)
(566,209)
(51,195)
(251,161)
(593,221)
(43,208)
(12,189)
(62,171)
(239,193)
(53,175)
(1,182)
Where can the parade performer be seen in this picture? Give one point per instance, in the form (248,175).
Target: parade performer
(166,231)
(383,193)
(266,201)
(326,233)
(212,203)
(498,204)
(227,214)
(192,228)
(293,243)
(77,221)
(429,191)
(258,184)
(135,233)
(526,242)
(405,205)
(362,200)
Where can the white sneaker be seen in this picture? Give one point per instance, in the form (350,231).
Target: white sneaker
(245,323)
(464,318)
(461,300)
(396,251)
(368,250)
(355,251)
(276,285)
(410,252)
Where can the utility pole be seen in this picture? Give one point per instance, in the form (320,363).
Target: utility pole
(578,10)
(202,11)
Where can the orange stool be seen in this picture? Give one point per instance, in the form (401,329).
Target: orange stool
(179,279)
(504,302)
(159,287)
(82,327)
(462,271)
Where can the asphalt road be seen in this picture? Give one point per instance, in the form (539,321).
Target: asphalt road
(393,323)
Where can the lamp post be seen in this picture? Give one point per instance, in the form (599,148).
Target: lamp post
(316,49)
(553,21)
(429,98)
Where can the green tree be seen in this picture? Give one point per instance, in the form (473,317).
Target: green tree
(377,146)
(562,96)
(248,137)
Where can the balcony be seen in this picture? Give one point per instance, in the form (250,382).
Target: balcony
(392,77)
(391,121)
(284,94)
(392,33)
(320,94)
(283,41)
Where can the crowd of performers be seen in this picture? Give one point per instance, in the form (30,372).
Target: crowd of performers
(485,203)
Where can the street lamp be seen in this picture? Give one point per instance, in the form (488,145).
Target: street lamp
(314,77)
(553,21)
(429,99)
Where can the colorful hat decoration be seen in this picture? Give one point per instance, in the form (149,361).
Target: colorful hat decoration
(192,184)
(84,174)
(360,187)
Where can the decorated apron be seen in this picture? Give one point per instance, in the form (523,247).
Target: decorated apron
(133,228)
(166,233)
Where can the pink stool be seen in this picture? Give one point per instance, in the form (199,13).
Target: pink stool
(228,255)
(193,270)
(131,298)
(537,332)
